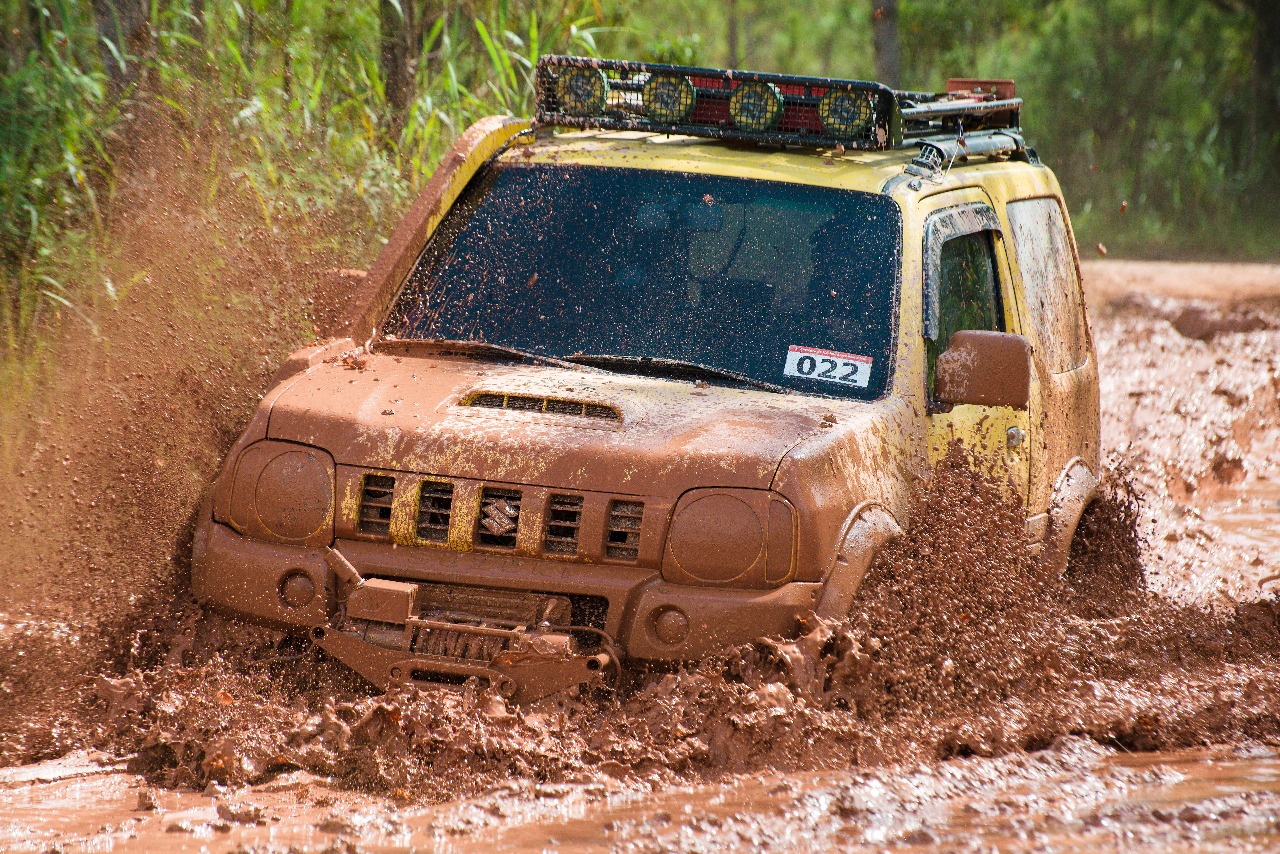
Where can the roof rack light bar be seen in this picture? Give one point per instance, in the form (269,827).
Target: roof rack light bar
(744,105)
(778,109)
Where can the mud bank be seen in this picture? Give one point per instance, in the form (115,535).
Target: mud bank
(971,697)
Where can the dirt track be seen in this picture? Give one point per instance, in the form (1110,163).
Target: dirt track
(1190,359)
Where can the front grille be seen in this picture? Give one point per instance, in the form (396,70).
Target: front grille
(623,542)
(499,518)
(435,505)
(375,504)
(564,520)
(554,405)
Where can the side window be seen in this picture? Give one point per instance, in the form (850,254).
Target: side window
(968,292)
(1042,246)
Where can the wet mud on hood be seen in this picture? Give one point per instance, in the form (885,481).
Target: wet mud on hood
(410,413)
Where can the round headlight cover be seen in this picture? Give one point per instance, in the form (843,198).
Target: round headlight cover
(715,537)
(294,495)
(582,91)
(669,98)
(731,538)
(283,491)
(845,113)
(756,106)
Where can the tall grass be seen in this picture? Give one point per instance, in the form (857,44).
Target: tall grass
(288,97)
(54,168)
(1156,103)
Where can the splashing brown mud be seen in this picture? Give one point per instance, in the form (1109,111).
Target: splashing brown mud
(960,644)
(103,462)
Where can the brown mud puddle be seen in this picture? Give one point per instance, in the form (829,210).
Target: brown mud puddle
(1075,796)
(1036,704)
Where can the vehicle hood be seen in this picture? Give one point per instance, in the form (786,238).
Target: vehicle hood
(410,413)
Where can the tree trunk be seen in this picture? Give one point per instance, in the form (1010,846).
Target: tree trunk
(735,46)
(22,39)
(396,82)
(197,26)
(286,58)
(884,34)
(1267,52)
(126,25)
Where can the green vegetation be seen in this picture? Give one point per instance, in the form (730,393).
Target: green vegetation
(1162,117)
(289,95)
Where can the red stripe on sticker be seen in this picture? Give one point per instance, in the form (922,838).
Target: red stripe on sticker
(835,354)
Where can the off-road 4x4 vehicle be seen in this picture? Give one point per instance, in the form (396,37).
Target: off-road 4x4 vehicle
(654,374)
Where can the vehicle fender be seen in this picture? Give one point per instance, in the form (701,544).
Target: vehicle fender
(310,356)
(1072,493)
(870,526)
(478,143)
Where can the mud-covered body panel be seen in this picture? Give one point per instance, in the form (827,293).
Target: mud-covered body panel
(410,414)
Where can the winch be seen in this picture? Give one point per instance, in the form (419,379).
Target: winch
(522,643)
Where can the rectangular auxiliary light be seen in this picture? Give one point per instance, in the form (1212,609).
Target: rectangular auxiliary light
(780,109)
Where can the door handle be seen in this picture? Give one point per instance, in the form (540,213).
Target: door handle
(1014,437)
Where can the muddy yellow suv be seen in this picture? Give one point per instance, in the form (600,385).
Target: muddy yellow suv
(655,373)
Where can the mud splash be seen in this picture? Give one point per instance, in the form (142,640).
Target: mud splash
(961,646)
(107,448)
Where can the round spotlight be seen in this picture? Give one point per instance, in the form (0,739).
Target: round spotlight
(582,91)
(669,98)
(670,624)
(845,113)
(755,106)
(297,589)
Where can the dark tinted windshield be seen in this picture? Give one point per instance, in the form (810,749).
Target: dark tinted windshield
(788,284)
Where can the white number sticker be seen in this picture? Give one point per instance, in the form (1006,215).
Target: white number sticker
(811,363)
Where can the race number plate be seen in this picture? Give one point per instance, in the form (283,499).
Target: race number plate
(811,363)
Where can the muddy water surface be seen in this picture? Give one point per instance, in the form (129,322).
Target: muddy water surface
(972,705)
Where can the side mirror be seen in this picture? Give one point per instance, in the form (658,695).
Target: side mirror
(986,369)
(331,303)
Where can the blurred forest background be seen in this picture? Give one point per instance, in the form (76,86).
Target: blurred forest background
(1161,117)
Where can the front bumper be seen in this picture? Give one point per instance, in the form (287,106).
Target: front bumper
(248,578)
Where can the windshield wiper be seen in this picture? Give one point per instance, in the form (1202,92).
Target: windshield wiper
(481,348)
(674,368)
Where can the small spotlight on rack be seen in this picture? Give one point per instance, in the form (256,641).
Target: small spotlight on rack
(582,92)
(669,97)
(755,106)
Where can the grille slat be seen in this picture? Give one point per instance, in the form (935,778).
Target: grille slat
(552,405)
(623,539)
(376,496)
(435,508)
(499,518)
(564,524)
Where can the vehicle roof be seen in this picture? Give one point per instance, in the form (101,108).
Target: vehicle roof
(867,171)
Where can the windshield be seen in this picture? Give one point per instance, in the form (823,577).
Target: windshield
(787,284)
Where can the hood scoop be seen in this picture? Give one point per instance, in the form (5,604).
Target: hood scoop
(535,403)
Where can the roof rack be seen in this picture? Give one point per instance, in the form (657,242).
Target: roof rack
(777,109)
